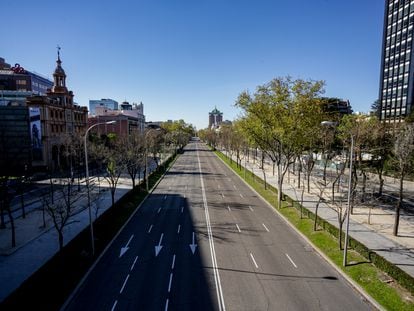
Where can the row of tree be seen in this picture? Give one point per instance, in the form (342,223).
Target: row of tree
(290,123)
(110,157)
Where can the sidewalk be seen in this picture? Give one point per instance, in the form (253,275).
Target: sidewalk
(36,244)
(375,234)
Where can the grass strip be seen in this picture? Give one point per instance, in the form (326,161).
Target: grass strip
(390,295)
(49,287)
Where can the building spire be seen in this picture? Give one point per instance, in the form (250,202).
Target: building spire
(59,75)
(58,52)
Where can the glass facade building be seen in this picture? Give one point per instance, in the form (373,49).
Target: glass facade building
(104,102)
(397,70)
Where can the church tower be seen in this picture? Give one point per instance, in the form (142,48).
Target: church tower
(59,90)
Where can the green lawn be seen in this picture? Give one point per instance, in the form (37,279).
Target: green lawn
(390,295)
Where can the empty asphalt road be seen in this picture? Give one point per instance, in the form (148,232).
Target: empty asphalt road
(203,240)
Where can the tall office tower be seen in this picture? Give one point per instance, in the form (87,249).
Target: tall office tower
(396,95)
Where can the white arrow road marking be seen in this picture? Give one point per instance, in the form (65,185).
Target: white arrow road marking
(254,261)
(159,246)
(290,259)
(123,286)
(125,248)
(228,207)
(265,227)
(193,246)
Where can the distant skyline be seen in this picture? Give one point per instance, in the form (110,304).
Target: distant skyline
(183,58)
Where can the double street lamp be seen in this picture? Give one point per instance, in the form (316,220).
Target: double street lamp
(87,180)
(348,210)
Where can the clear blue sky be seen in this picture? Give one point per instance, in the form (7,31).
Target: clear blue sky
(182,58)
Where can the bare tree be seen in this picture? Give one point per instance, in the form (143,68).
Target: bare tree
(133,148)
(63,207)
(404,152)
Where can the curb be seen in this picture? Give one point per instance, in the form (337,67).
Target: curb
(82,281)
(358,288)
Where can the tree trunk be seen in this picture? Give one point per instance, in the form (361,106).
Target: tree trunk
(301,202)
(399,205)
(60,234)
(381,183)
(13,233)
(2,222)
(264,178)
(364,186)
(315,221)
(113,196)
(340,222)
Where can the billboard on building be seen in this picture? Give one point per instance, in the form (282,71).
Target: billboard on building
(35,132)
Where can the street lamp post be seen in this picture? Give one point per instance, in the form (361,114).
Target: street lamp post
(348,209)
(87,181)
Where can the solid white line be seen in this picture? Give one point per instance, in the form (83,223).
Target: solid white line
(123,286)
(219,290)
(179,228)
(228,207)
(291,260)
(173,263)
(254,261)
(159,210)
(169,284)
(166,305)
(150,228)
(251,208)
(265,227)
(133,265)
(115,303)
(238,227)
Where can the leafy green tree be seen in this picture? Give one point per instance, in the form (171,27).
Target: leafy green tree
(276,117)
